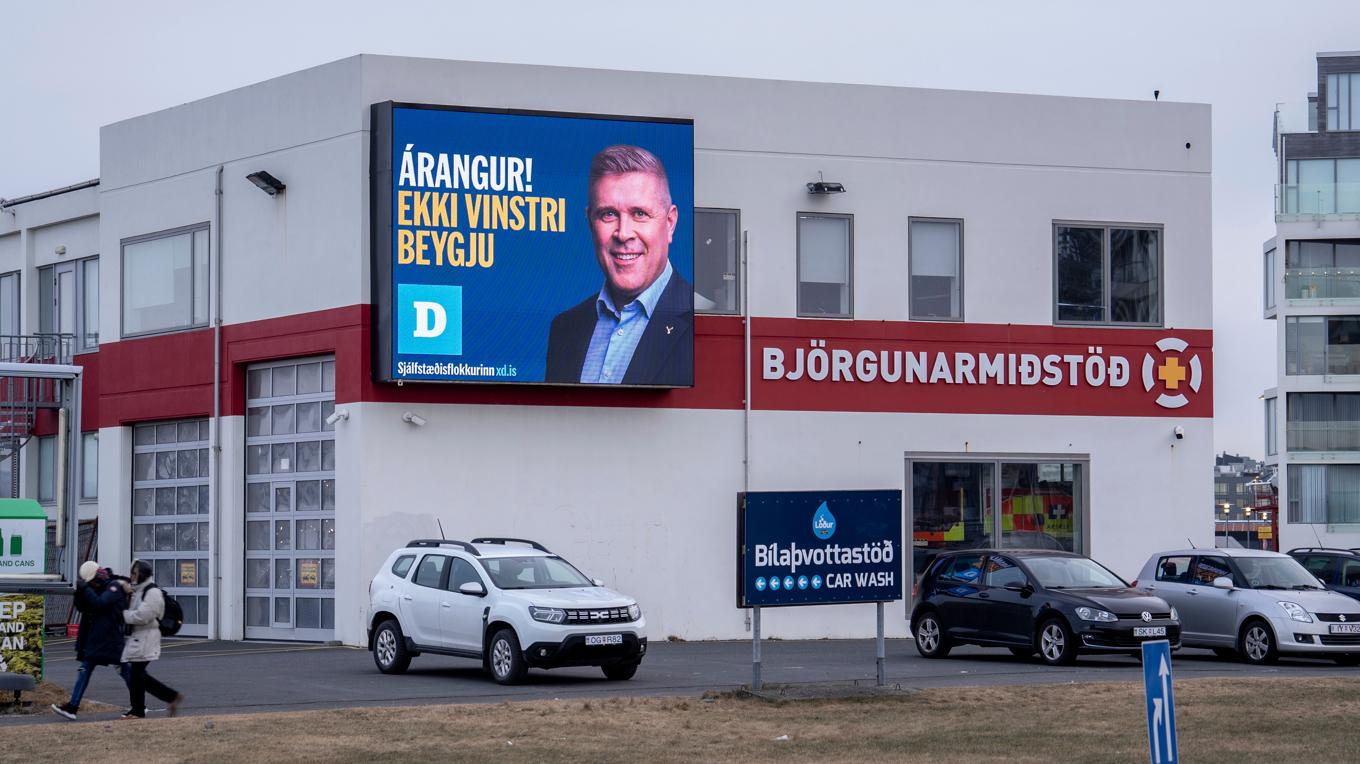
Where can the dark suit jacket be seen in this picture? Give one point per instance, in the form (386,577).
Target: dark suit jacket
(662,357)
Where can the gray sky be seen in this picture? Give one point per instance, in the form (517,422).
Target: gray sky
(71,67)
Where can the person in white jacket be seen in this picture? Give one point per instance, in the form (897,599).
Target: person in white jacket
(143,644)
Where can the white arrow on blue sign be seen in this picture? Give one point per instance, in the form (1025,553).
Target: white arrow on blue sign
(1161,703)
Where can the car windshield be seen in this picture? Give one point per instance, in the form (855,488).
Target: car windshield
(1276,573)
(1072,573)
(533,573)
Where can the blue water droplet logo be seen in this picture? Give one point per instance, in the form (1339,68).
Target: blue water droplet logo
(823,522)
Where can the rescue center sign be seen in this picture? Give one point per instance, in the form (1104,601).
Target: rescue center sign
(982,368)
(818,547)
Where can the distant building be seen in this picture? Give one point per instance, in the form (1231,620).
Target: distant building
(1244,502)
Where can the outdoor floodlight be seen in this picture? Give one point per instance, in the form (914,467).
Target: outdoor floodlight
(266,182)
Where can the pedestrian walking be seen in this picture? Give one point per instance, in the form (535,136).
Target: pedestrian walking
(99,640)
(144,642)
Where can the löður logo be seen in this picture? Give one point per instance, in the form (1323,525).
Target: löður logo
(1171,373)
(823,522)
(430,319)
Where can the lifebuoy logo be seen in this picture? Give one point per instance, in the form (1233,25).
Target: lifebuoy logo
(1172,372)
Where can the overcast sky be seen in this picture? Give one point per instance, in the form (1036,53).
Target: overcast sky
(71,67)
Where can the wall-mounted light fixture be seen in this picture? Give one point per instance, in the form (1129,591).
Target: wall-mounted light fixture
(336,416)
(823,186)
(266,182)
(413,418)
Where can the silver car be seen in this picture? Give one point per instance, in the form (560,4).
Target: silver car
(1254,604)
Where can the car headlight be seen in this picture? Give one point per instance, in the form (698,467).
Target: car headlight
(1296,611)
(548,614)
(1092,614)
(1175,616)
(634,612)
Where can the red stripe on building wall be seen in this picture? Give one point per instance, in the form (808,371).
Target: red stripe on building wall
(170,376)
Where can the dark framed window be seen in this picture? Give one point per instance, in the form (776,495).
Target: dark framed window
(430,572)
(717,261)
(165,281)
(1107,274)
(935,261)
(825,265)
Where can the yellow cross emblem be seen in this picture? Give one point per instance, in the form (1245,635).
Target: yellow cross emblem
(1171,373)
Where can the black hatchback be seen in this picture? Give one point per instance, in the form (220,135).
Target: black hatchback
(1056,604)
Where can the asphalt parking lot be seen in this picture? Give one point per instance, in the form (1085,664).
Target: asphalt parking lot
(246,677)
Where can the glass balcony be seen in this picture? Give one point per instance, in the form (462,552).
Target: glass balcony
(1295,117)
(1322,284)
(1317,199)
(1324,436)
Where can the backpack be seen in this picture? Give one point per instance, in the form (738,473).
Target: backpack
(173,617)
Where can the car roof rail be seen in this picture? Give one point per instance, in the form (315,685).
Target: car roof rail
(1323,549)
(465,546)
(507,540)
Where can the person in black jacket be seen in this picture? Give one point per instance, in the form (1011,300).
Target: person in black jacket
(99,641)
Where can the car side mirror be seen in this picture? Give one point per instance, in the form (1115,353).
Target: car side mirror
(1223,582)
(1320,581)
(473,588)
(597,582)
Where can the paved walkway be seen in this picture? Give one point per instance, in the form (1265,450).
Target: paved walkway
(245,677)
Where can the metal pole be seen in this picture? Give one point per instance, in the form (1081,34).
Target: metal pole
(755,649)
(879,644)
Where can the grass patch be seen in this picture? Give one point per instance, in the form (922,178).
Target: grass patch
(43,696)
(1220,720)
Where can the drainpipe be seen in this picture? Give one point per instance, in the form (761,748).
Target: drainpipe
(215,508)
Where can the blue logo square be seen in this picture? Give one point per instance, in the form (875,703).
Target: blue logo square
(429,319)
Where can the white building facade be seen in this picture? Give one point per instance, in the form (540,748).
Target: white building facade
(1022,346)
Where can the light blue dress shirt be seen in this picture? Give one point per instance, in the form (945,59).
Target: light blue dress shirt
(617,332)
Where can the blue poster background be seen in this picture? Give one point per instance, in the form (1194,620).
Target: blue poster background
(507,309)
(819,520)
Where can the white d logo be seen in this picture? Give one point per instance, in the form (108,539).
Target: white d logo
(430,319)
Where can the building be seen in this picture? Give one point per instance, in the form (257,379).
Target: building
(1244,502)
(994,303)
(1312,277)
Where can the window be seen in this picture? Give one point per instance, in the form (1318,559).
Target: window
(1350,573)
(1323,421)
(1322,186)
(1320,565)
(89,465)
(462,573)
(1001,571)
(1343,98)
(9,307)
(89,280)
(1108,274)
(1305,344)
(47,468)
(68,302)
(966,568)
(717,261)
(825,265)
(403,565)
(935,259)
(1208,568)
(1174,570)
(1270,279)
(165,282)
(431,570)
(1324,493)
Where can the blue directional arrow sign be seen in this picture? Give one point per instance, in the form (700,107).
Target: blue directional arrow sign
(1161,703)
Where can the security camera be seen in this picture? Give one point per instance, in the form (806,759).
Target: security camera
(412,418)
(336,416)
(1180,432)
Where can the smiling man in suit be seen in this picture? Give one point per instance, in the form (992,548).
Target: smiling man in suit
(639,328)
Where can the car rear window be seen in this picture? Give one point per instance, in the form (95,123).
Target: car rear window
(403,565)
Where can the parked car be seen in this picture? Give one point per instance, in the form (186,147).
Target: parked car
(509,603)
(1056,604)
(1338,569)
(1254,604)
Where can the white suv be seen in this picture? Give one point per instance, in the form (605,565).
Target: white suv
(509,603)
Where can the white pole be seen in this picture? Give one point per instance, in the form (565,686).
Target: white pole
(879,644)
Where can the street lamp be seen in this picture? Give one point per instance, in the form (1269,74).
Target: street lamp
(1226,507)
(1247,511)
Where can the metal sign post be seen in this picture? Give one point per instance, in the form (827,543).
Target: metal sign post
(755,649)
(879,644)
(1161,702)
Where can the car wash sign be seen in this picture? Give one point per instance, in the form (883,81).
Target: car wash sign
(818,547)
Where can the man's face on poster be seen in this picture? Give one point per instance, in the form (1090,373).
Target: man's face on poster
(632,221)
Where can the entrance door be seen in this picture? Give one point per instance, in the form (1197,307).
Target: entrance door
(290,500)
(170,512)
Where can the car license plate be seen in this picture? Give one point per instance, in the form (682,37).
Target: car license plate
(1149,631)
(1345,628)
(603,639)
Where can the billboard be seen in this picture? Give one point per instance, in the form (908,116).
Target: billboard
(818,547)
(530,247)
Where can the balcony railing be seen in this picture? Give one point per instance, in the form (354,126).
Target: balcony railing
(1324,436)
(36,348)
(1317,199)
(1322,283)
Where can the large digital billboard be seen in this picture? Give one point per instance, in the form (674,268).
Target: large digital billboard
(530,247)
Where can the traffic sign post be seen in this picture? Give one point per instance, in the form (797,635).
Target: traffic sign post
(1161,702)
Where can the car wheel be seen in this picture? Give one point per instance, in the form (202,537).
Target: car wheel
(1347,659)
(1057,646)
(620,671)
(389,648)
(1256,643)
(1225,652)
(1022,652)
(931,640)
(506,661)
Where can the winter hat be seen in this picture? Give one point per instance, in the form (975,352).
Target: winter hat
(88,569)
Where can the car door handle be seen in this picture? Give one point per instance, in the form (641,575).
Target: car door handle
(1193,593)
(406,597)
(1151,588)
(984,595)
(445,604)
